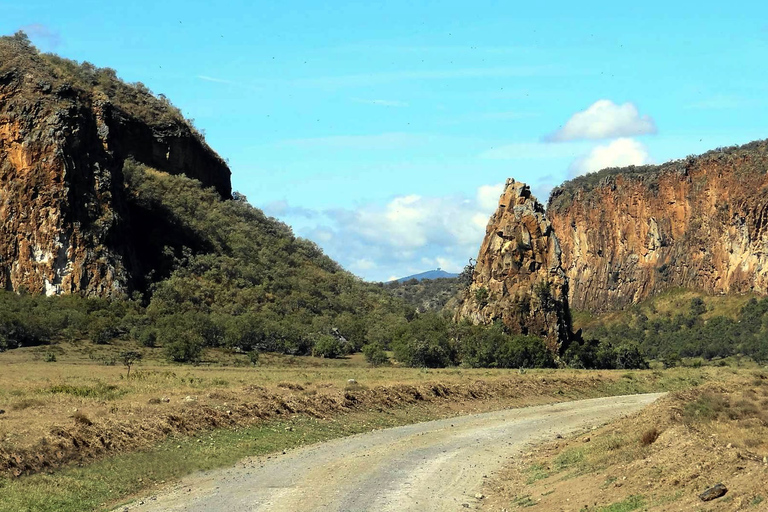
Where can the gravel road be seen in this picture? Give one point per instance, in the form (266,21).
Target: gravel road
(436,466)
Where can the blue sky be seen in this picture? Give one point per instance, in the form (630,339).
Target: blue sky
(383,132)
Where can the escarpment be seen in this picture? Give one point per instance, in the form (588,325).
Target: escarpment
(66,131)
(700,223)
(518,278)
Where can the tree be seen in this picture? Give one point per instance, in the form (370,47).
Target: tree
(465,278)
(328,346)
(129,358)
(375,355)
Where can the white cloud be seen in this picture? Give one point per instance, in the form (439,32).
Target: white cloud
(206,78)
(604,120)
(363,264)
(619,153)
(488,196)
(283,209)
(408,234)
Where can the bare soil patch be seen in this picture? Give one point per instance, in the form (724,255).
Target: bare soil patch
(662,458)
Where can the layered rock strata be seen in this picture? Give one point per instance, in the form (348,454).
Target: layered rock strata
(700,223)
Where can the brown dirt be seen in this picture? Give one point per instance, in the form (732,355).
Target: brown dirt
(725,441)
(79,440)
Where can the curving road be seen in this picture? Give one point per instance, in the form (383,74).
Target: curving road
(436,466)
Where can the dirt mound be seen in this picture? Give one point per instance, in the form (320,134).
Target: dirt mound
(87,439)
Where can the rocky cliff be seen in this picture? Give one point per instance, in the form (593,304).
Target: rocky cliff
(701,223)
(518,277)
(66,131)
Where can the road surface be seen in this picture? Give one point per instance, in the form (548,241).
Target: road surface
(436,466)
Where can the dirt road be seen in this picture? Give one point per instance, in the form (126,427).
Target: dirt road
(435,466)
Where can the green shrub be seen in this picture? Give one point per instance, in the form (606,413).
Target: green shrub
(182,347)
(524,352)
(481,296)
(425,342)
(328,346)
(375,355)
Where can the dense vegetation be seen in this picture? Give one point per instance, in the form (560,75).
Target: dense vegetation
(427,294)
(55,71)
(232,278)
(692,332)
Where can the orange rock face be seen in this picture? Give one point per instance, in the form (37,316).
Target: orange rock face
(64,223)
(698,223)
(518,276)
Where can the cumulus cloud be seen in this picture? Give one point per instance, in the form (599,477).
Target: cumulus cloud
(38,31)
(283,209)
(488,196)
(619,153)
(604,119)
(408,234)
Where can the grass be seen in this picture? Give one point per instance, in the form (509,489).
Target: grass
(627,505)
(81,396)
(40,395)
(524,501)
(572,458)
(665,305)
(101,484)
(536,472)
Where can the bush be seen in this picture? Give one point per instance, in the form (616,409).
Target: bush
(524,352)
(481,296)
(375,355)
(328,346)
(183,347)
(148,338)
(603,355)
(253,357)
(425,342)
(244,333)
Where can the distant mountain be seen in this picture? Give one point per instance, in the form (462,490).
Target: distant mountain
(430,274)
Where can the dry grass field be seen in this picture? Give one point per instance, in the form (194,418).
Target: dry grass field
(78,433)
(78,408)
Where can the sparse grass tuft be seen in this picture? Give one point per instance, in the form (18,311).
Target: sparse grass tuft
(524,501)
(627,505)
(290,385)
(536,472)
(82,419)
(100,391)
(569,459)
